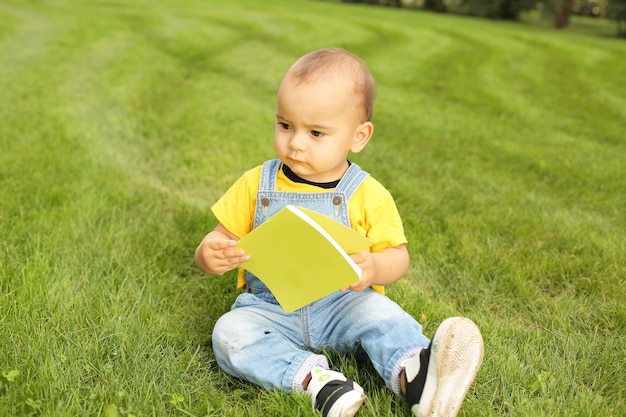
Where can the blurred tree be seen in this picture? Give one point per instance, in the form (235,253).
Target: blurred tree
(392,3)
(494,9)
(561,9)
(591,8)
(561,18)
(435,6)
(616,10)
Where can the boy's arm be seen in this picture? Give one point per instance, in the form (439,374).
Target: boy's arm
(216,253)
(380,268)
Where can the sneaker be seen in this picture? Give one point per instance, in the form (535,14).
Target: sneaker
(333,394)
(438,378)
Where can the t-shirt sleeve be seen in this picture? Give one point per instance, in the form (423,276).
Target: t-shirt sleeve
(389,232)
(235,209)
(379,219)
(386,229)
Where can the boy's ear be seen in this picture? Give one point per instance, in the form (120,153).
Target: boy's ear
(362,136)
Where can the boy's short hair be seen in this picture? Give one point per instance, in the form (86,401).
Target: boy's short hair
(327,62)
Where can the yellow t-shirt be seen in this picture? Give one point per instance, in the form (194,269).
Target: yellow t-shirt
(372,210)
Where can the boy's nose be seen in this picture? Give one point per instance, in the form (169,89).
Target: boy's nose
(298,141)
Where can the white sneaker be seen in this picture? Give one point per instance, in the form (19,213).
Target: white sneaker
(438,378)
(333,394)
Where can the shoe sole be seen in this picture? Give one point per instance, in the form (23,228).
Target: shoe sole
(456,356)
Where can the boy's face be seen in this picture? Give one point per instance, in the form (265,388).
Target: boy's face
(317,125)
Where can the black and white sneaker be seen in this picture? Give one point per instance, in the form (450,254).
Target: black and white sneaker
(438,377)
(333,394)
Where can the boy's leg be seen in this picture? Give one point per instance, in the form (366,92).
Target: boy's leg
(258,342)
(396,346)
(373,322)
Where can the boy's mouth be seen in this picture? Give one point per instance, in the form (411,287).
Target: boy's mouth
(295,161)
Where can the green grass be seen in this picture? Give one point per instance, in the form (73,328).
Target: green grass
(122,122)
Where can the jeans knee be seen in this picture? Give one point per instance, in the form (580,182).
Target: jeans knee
(224,339)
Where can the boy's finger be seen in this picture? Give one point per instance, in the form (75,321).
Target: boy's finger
(236,256)
(220,244)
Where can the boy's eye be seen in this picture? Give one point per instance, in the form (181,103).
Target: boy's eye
(316,133)
(283,126)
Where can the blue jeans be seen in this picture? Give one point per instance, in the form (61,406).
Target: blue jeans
(258,342)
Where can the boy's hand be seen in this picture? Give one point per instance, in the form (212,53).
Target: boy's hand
(217,254)
(367,262)
(380,268)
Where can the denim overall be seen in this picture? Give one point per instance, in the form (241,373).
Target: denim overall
(333,204)
(258,342)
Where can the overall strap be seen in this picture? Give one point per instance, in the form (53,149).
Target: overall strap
(268,175)
(351,180)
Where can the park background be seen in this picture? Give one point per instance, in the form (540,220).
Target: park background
(503,143)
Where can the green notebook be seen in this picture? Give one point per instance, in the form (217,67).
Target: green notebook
(302,255)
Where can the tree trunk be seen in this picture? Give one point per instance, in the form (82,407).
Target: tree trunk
(562,12)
